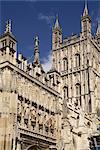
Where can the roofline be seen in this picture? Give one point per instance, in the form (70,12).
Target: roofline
(10,65)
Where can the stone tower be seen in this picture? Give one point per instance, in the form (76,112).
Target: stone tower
(8,45)
(8,96)
(76,59)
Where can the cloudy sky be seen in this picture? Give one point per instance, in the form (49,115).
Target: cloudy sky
(34,17)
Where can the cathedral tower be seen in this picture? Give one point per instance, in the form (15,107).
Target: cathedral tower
(8,45)
(8,95)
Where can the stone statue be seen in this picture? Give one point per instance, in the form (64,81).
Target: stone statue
(26,111)
(46,120)
(33,113)
(19,108)
(53,123)
(41,117)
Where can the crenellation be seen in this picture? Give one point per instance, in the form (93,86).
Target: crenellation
(73,39)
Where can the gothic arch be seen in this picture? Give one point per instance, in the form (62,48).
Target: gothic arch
(78,93)
(77,60)
(65,64)
(33,147)
(78,89)
(65,92)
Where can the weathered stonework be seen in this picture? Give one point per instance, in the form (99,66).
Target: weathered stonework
(57,110)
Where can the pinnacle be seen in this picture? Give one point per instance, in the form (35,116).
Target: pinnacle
(57,22)
(36,41)
(36,50)
(98,29)
(8,26)
(85,9)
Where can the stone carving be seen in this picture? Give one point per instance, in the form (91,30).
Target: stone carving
(33,116)
(52,124)
(19,108)
(26,111)
(46,117)
(49,122)
(36,41)
(46,122)
(26,114)
(33,113)
(19,111)
(41,116)
(41,119)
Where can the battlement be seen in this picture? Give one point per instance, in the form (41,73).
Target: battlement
(71,40)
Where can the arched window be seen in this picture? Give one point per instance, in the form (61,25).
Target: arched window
(77,60)
(4,43)
(65,92)
(90,109)
(78,89)
(65,64)
(78,92)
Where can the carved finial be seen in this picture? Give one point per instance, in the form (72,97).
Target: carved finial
(36,50)
(98,29)
(36,41)
(8,26)
(57,22)
(85,9)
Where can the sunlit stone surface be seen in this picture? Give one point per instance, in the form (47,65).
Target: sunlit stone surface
(57,110)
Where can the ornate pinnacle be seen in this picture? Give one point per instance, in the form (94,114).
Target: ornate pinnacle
(85,9)
(8,26)
(57,22)
(36,50)
(36,41)
(98,29)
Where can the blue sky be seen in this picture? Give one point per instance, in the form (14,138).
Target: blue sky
(33,17)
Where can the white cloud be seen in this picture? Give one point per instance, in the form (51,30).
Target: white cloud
(47,62)
(47,18)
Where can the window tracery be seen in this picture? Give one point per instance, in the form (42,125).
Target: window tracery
(77,60)
(65,64)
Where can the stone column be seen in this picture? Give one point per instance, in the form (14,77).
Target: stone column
(18,145)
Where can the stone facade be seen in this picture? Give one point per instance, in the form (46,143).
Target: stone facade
(57,110)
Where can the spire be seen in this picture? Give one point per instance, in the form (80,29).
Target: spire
(86,22)
(57,22)
(98,29)
(85,13)
(36,50)
(8,26)
(56,34)
(36,41)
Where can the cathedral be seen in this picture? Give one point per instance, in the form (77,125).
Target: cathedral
(54,110)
